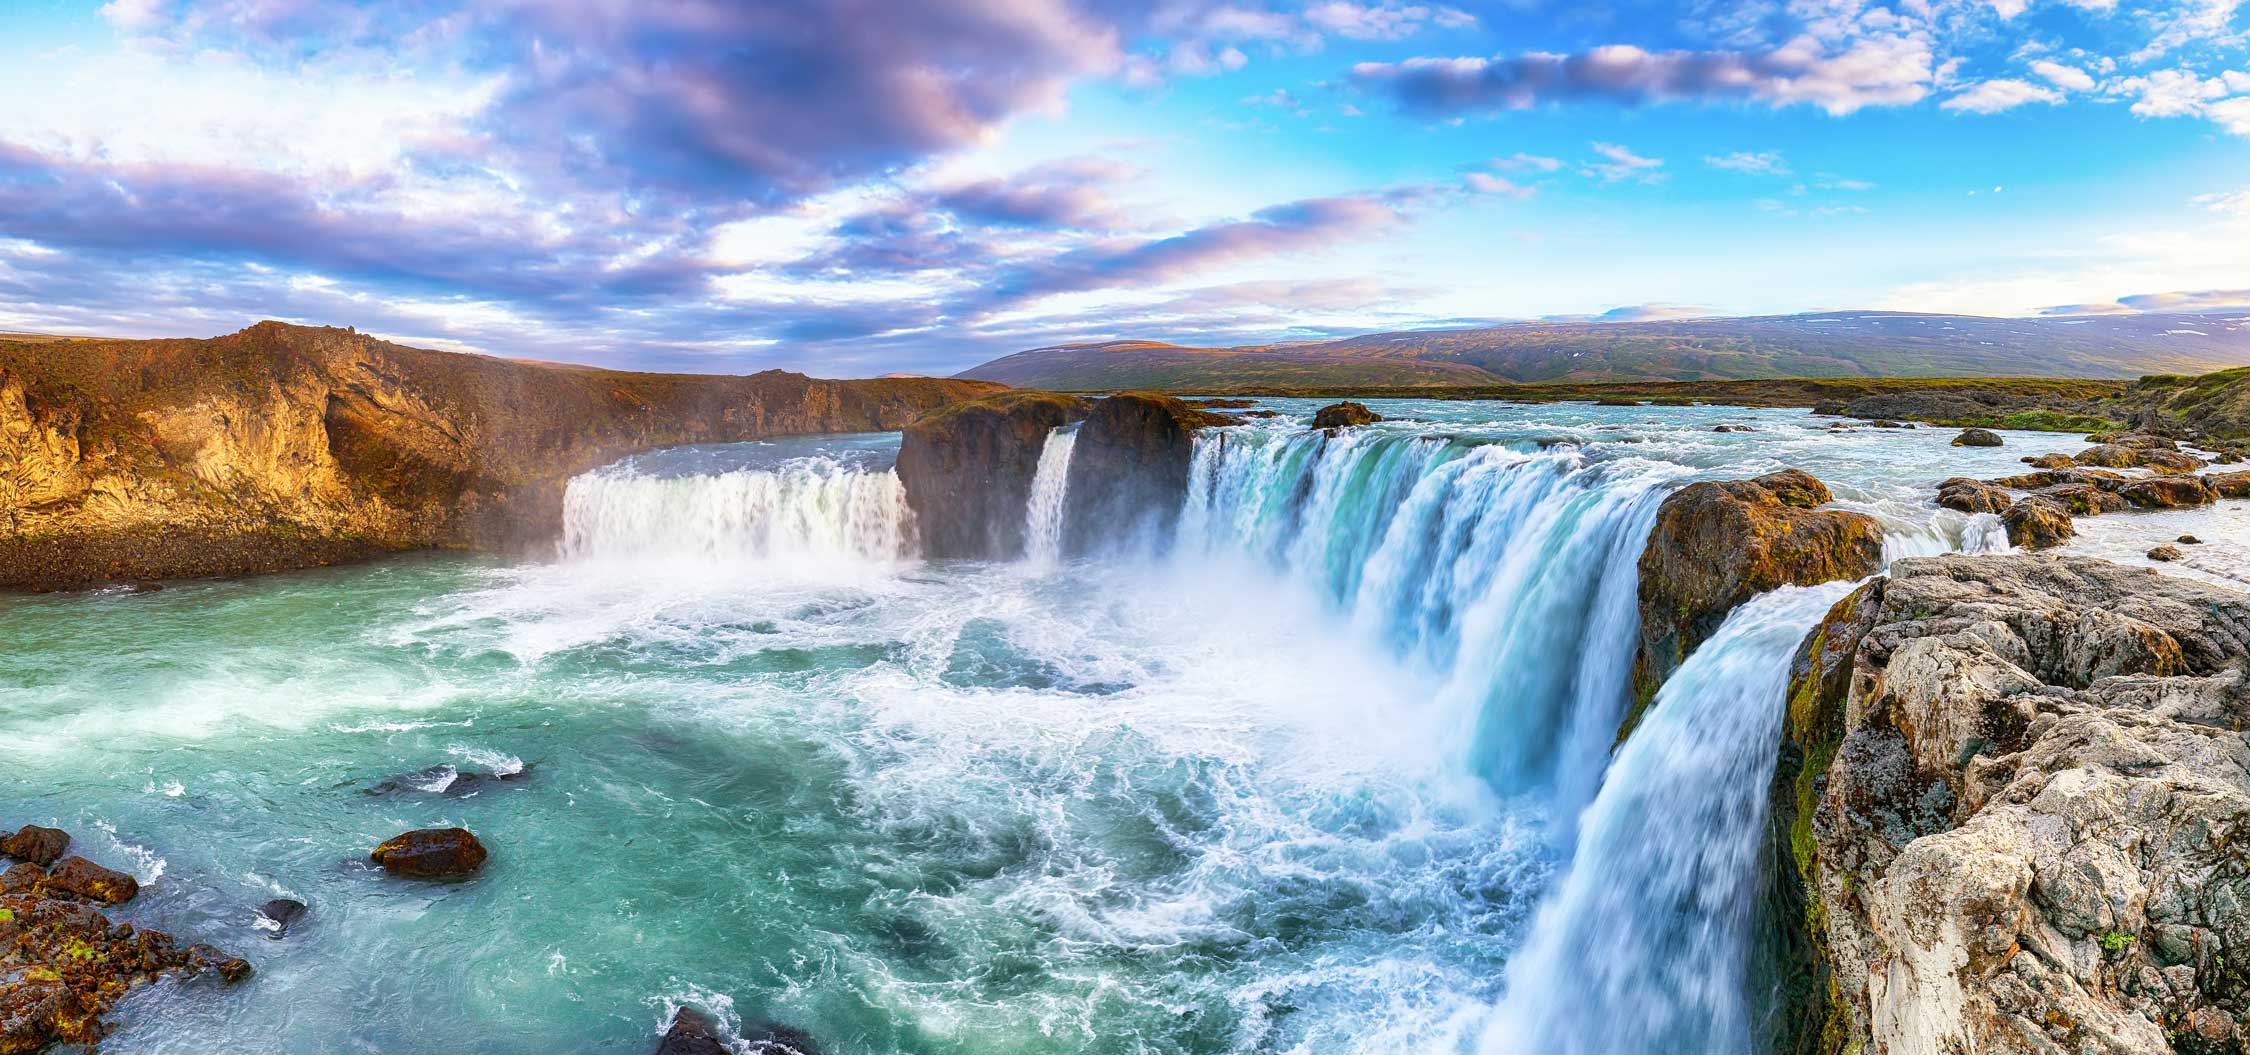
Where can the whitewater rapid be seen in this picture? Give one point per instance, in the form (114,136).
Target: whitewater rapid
(1330,772)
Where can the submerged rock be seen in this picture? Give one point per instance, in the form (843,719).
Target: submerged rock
(967,469)
(277,916)
(2165,553)
(1344,415)
(1719,543)
(692,1033)
(40,846)
(2190,540)
(1977,438)
(430,853)
(1732,428)
(2004,814)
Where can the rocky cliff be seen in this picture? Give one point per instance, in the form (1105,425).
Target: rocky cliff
(2012,814)
(967,470)
(283,446)
(1129,473)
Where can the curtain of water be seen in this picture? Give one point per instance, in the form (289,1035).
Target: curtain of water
(1510,574)
(1643,948)
(817,510)
(1043,512)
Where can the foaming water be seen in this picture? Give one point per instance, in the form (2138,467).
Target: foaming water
(1644,946)
(1508,575)
(1043,511)
(809,510)
(1300,785)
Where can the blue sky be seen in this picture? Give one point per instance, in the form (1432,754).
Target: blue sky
(850,187)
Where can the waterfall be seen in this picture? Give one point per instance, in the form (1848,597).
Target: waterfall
(1643,948)
(814,511)
(1510,575)
(1043,512)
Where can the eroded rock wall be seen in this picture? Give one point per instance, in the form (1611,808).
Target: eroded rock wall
(2013,815)
(284,446)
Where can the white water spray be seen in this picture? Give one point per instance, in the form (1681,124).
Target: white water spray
(1507,575)
(814,510)
(1043,512)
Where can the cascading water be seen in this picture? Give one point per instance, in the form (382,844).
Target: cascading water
(1644,946)
(1043,512)
(1509,575)
(818,510)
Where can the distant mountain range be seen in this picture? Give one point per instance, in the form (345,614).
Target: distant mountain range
(1829,344)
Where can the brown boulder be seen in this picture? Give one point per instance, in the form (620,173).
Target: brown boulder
(2038,522)
(1129,472)
(2083,500)
(2165,553)
(2190,540)
(967,470)
(2171,461)
(1719,543)
(1344,415)
(23,877)
(692,1033)
(1977,438)
(430,853)
(40,846)
(2049,461)
(80,877)
(2166,492)
(2229,485)
(1972,496)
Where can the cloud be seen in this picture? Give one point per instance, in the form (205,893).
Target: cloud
(1296,227)
(1991,97)
(2070,78)
(1383,21)
(1619,163)
(1762,163)
(1487,183)
(2193,300)
(2183,93)
(1071,194)
(1883,70)
(1526,163)
(1654,312)
(2236,203)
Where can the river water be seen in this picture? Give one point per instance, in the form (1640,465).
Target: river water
(1332,774)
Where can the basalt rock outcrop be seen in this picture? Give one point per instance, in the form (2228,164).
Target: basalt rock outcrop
(1719,543)
(967,470)
(63,964)
(1344,415)
(1129,471)
(2010,815)
(286,446)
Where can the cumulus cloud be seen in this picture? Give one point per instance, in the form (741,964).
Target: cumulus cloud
(1991,97)
(2070,78)
(1883,70)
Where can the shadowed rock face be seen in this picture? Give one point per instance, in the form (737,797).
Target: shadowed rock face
(967,470)
(1719,543)
(1129,471)
(2007,814)
(286,446)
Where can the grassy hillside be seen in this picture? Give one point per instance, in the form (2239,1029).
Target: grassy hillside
(1839,344)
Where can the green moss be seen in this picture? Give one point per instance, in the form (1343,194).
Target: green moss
(7,915)
(2115,942)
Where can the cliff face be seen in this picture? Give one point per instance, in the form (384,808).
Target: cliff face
(1129,472)
(283,446)
(967,469)
(2010,815)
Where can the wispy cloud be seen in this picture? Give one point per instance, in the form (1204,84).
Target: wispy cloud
(1618,164)
(1761,163)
